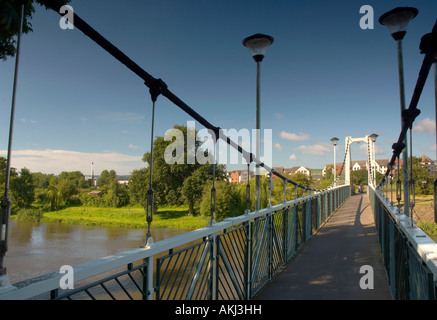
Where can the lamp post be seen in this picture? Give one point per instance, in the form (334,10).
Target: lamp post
(373,137)
(435,180)
(5,209)
(258,44)
(397,22)
(334,142)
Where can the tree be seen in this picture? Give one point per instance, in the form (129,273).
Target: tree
(10,11)
(171,165)
(228,201)
(327,179)
(138,186)
(106,178)
(192,190)
(117,195)
(23,190)
(41,180)
(422,177)
(359,177)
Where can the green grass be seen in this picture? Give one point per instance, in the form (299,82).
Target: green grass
(132,217)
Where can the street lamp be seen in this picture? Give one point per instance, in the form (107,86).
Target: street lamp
(373,137)
(397,22)
(334,142)
(258,44)
(435,101)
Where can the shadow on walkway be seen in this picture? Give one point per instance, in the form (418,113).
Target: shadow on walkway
(328,266)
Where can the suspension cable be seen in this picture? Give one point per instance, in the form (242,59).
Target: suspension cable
(150,82)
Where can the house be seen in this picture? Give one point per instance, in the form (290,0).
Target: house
(298,169)
(359,165)
(337,169)
(234,176)
(279,169)
(380,166)
(430,164)
(238,176)
(97,194)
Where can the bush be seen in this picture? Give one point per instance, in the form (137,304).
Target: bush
(92,201)
(32,215)
(228,202)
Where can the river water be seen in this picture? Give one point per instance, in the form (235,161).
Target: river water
(39,248)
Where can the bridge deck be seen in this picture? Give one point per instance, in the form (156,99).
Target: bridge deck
(328,265)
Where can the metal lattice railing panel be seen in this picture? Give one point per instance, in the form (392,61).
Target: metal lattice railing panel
(125,285)
(232,263)
(186,274)
(232,259)
(260,253)
(409,276)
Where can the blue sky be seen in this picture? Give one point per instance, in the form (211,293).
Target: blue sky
(323,76)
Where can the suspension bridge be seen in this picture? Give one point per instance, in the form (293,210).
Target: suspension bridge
(325,244)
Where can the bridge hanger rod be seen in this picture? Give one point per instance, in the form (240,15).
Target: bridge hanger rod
(428,46)
(159,87)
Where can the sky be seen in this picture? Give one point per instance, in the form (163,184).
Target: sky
(323,76)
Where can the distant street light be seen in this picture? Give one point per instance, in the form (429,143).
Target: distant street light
(334,142)
(397,22)
(258,44)
(373,137)
(435,92)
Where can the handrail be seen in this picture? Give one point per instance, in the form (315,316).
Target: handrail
(40,285)
(409,254)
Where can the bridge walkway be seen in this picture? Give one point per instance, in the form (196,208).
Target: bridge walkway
(328,265)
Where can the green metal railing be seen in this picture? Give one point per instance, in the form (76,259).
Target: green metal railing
(232,259)
(408,253)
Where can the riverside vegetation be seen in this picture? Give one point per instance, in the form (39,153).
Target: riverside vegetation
(182,193)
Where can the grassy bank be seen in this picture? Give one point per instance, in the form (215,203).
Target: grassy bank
(423,213)
(132,217)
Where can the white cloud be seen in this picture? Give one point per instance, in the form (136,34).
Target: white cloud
(31,121)
(131,146)
(294,137)
(278,146)
(426,125)
(56,161)
(121,116)
(318,149)
(279,116)
(292,157)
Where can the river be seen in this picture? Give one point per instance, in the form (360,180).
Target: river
(39,248)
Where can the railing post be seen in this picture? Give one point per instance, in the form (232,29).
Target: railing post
(325,199)
(319,211)
(149,289)
(248,259)
(270,243)
(214,267)
(308,219)
(285,233)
